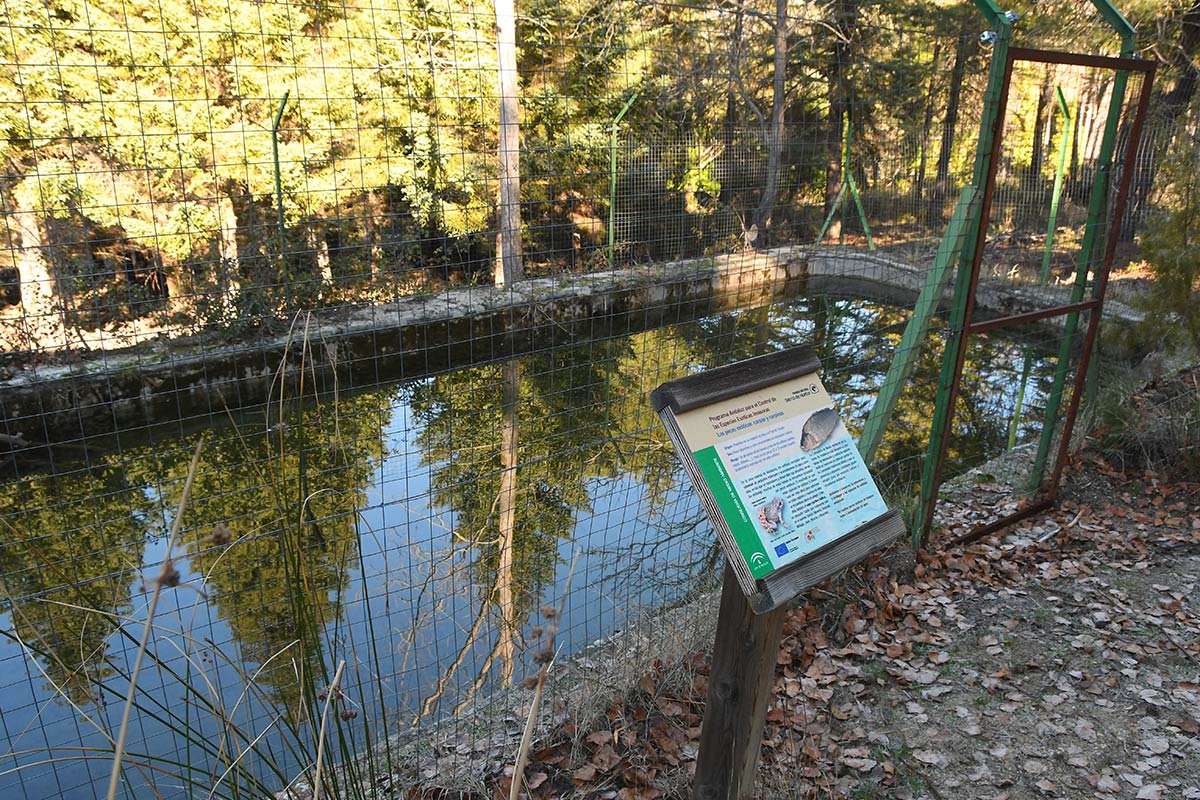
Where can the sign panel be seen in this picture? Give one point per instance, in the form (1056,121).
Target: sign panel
(779,474)
(783,469)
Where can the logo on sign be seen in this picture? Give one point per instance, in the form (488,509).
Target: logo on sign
(781,549)
(758,559)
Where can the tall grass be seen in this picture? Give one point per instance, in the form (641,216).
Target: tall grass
(167,577)
(232,737)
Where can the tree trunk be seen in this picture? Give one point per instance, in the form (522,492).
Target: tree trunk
(844,23)
(729,125)
(507,511)
(926,127)
(1045,113)
(179,294)
(775,132)
(1087,140)
(1096,121)
(1031,208)
(508,266)
(1174,101)
(324,264)
(729,134)
(736,90)
(508,269)
(962,52)
(226,275)
(1075,138)
(372,234)
(1171,101)
(833,161)
(41,307)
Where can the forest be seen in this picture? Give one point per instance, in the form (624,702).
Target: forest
(171,168)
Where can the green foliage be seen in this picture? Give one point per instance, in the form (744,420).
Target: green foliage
(1172,244)
(289,500)
(158,140)
(74,543)
(143,136)
(1151,426)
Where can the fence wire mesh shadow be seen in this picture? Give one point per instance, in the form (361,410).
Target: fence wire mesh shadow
(275,225)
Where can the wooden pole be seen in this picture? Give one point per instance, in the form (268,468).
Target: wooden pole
(745,650)
(509,267)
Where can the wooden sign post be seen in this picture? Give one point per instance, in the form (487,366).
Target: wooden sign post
(792,503)
(739,685)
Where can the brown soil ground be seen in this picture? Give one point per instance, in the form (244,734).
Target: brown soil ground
(1058,659)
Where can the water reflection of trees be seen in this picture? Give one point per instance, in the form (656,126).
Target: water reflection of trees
(288,494)
(70,550)
(289,486)
(511,448)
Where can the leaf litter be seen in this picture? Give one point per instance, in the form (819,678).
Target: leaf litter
(1057,659)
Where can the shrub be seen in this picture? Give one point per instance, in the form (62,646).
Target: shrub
(1171,244)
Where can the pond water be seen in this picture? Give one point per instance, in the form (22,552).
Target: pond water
(363,526)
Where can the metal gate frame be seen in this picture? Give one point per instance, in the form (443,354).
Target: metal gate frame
(963,327)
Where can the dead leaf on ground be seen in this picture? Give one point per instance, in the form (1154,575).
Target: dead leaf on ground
(606,758)
(931,757)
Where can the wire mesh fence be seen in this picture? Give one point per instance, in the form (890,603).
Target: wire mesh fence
(274,227)
(1075,254)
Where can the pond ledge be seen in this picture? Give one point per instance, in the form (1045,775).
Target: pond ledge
(416,336)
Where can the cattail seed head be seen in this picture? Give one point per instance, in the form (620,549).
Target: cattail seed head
(170,577)
(220,534)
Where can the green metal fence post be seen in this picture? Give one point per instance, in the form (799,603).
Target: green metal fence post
(848,177)
(862,215)
(833,209)
(907,352)
(849,187)
(846,133)
(612,178)
(1056,194)
(1092,238)
(944,405)
(283,276)
(1015,423)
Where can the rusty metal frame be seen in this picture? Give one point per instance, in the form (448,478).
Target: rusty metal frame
(1047,491)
